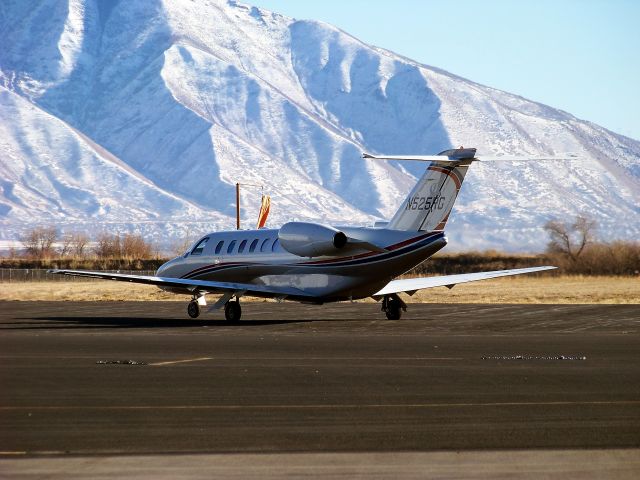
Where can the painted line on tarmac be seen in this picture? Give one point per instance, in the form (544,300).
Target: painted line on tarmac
(321,406)
(289,359)
(338,358)
(173,362)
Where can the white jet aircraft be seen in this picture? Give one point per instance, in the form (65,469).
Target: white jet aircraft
(316,263)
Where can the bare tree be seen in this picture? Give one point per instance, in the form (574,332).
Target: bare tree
(79,243)
(108,246)
(130,247)
(39,241)
(65,248)
(74,244)
(135,247)
(570,239)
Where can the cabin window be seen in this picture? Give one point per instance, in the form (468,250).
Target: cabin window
(243,244)
(253,245)
(219,246)
(265,245)
(276,246)
(197,250)
(231,246)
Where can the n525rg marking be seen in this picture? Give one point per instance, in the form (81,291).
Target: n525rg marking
(425,203)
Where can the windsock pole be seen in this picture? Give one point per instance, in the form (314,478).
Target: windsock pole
(237,206)
(238,200)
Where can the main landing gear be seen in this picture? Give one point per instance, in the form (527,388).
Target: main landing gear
(193,309)
(393,306)
(232,309)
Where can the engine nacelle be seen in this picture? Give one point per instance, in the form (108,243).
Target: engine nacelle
(310,239)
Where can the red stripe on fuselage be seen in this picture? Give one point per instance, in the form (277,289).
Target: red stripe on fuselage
(212,265)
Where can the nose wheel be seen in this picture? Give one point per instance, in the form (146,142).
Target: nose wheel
(232,311)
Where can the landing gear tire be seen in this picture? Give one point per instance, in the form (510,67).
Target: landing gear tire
(193,309)
(392,306)
(394,309)
(232,311)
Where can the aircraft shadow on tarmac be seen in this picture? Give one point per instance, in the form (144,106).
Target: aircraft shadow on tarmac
(121,322)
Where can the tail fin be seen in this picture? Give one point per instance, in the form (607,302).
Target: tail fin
(429,204)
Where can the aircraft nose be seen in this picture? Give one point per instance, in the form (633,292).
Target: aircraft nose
(161,270)
(165,269)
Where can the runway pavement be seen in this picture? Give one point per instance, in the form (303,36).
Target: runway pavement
(334,378)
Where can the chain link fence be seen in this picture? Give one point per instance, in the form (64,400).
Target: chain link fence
(21,275)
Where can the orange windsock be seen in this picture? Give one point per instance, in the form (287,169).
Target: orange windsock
(264,210)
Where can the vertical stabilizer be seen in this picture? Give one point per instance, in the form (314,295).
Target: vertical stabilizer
(429,204)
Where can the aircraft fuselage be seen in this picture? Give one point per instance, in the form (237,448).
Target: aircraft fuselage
(257,257)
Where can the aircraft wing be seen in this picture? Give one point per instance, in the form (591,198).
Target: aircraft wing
(194,286)
(411,285)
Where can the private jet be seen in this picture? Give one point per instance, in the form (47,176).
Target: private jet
(317,263)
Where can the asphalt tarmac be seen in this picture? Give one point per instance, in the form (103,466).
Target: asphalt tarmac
(316,379)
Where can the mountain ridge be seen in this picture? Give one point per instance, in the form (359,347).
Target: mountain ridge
(194,97)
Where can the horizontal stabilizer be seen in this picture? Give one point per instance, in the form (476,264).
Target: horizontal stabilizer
(413,284)
(413,158)
(475,158)
(506,158)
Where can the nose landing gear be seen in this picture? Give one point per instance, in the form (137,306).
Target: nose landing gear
(193,309)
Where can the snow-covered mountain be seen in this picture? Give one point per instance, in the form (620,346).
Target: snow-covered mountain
(141,116)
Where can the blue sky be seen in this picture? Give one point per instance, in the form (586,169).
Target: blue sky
(582,56)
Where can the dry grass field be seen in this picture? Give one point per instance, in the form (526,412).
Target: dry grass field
(543,289)
(523,289)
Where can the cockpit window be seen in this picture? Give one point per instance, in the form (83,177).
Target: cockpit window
(231,246)
(253,245)
(243,243)
(219,246)
(197,250)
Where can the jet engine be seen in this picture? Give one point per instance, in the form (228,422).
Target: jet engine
(311,239)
